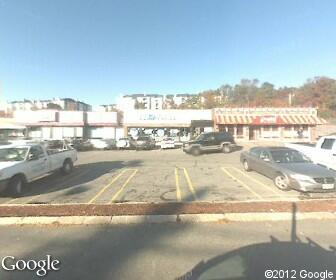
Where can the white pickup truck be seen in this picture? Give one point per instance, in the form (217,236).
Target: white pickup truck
(323,153)
(21,164)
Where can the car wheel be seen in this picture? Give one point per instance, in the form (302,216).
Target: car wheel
(196,151)
(67,167)
(16,186)
(226,149)
(281,182)
(246,166)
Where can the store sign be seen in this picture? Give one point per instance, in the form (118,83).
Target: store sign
(162,117)
(266,120)
(157,117)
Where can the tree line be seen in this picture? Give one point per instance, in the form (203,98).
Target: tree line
(318,92)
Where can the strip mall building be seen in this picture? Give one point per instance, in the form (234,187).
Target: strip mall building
(245,124)
(278,124)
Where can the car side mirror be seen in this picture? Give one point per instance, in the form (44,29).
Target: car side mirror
(32,157)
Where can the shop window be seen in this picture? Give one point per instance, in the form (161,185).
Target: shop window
(240,131)
(267,128)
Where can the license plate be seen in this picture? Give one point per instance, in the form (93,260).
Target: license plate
(327,186)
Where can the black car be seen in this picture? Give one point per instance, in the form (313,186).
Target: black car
(212,141)
(144,143)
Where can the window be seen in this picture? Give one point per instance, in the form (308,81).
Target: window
(240,130)
(327,144)
(255,152)
(36,151)
(264,155)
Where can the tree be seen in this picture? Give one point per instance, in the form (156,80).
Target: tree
(54,106)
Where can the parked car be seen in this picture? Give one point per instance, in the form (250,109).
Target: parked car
(212,141)
(144,143)
(21,164)
(289,169)
(125,143)
(81,145)
(103,144)
(323,153)
(167,143)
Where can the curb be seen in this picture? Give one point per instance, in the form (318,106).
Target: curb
(157,219)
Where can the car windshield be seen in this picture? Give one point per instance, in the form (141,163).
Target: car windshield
(200,137)
(13,154)
(288,156)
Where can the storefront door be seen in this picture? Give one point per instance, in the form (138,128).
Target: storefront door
(253,132)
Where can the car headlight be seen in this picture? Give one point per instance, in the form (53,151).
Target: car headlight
(301,177)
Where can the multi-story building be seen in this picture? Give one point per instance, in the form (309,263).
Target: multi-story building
(140,101)
(67,104)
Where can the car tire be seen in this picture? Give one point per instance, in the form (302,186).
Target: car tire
(226,149)
(246,165)
(67,167)
(281,182)
(16,186)
(196,151)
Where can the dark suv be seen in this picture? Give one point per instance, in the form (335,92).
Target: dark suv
(212,141)
(144,143)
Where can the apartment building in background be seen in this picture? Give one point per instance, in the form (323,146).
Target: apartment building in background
(67,104)
(153,101)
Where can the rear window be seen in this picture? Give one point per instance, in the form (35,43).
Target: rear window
(327,144)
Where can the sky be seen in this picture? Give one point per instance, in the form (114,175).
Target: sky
(97,50)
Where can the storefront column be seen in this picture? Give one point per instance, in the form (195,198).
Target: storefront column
(313,133)
(281,133)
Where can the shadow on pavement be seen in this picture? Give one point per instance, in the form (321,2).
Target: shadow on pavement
(107,253)
(81,175)
(294,259)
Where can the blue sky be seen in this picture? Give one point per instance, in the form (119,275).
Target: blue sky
(95,50)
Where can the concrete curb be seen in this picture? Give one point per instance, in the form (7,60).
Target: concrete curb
(155,219)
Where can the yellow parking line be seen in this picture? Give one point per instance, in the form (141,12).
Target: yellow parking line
(107,186)
(257,181)
(178,189)
(190,184)
(123,186)
(241,182)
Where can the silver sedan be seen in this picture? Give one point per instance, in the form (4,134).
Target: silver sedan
(289,169)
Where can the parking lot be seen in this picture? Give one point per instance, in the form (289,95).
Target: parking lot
(104,177)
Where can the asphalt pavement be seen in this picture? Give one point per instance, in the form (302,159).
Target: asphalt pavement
(242,250)
(105,177)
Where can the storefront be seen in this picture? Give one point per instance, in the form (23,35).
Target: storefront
(103,125)
(278,124)
(51,124)
(9,129)
(179,124)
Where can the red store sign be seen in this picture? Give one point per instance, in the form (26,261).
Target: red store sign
(267,120)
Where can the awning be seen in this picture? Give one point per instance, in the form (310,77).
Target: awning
(269,119)
(302,119)
(233,119)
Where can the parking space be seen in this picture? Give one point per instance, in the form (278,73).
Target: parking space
(105,177)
